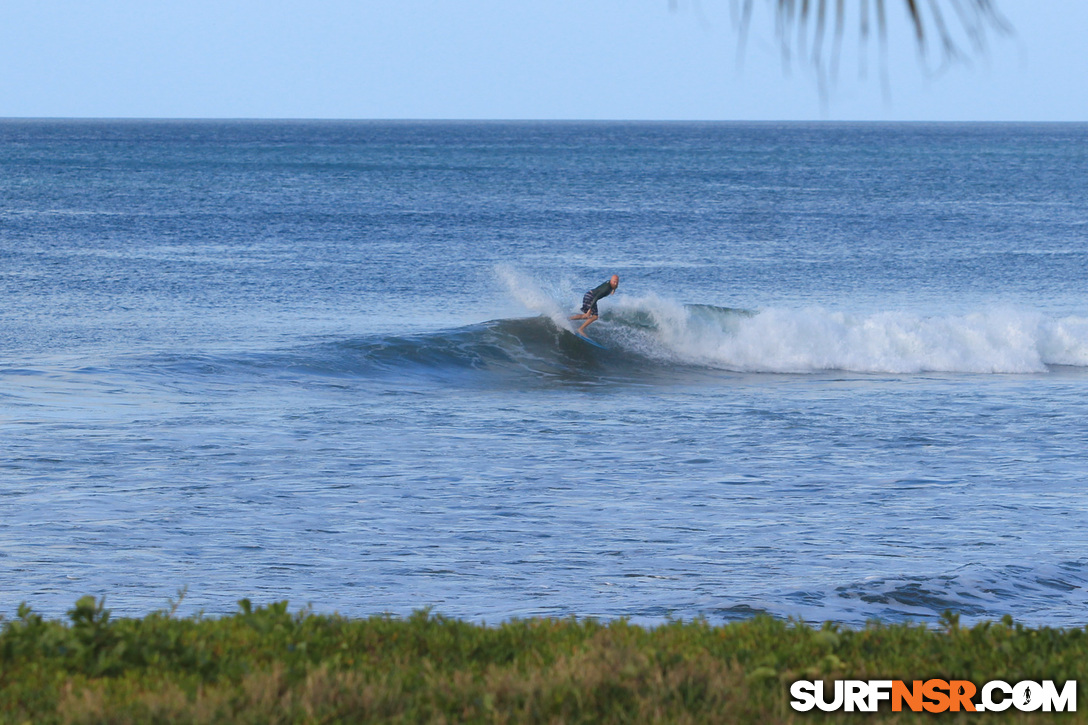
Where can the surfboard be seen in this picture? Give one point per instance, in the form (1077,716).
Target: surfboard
(594,343)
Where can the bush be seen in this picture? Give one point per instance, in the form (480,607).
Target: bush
(267,665)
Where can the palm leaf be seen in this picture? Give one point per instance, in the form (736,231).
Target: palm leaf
(945,31)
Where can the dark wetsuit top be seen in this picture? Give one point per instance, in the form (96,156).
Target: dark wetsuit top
(589,302)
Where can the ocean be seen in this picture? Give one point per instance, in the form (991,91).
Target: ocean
(329,363)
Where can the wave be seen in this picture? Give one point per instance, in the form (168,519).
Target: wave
(517,350)
(652,339)
(658,341)
(816,339)
(509,348)
(1042,592)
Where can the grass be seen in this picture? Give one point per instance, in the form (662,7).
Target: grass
(268,665)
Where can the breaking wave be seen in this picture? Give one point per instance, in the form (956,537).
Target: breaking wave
(651,339)
(656,341)
(816,339)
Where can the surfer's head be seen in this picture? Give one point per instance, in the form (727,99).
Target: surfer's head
(615,281)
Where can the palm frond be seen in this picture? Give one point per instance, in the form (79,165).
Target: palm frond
(945,31)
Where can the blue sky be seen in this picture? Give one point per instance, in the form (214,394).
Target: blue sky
(505,59)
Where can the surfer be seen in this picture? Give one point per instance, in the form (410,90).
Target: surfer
(589,302)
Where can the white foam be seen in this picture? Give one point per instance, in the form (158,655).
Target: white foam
(816,339)
(813,339)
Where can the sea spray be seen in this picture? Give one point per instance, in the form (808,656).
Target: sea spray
(556,303)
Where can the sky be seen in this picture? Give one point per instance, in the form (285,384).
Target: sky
(514,59)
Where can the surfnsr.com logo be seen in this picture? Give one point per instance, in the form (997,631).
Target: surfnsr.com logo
(934,696)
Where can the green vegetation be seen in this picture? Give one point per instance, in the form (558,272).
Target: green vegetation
(267,665)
